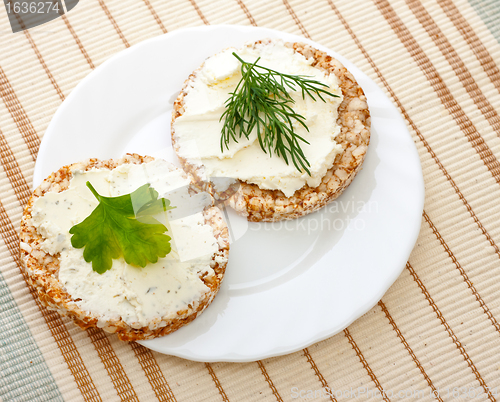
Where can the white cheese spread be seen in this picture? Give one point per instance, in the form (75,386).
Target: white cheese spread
(140,296)
(198,129)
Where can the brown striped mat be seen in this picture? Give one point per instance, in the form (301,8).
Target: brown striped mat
(435,335)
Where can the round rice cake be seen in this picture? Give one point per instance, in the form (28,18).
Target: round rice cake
(45,273)
(260,204)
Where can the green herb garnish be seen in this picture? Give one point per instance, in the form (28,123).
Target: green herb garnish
(261,100)
(125,226)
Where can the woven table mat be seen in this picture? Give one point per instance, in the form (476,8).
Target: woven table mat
(435,335)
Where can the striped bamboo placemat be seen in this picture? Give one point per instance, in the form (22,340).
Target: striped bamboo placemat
(435,335)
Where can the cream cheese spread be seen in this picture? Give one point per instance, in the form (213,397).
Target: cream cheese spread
(140,296)
(197,131)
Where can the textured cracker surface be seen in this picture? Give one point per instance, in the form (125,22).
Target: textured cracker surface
(43,268)
(354,119)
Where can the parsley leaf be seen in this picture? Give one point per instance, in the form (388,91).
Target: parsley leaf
(125,226)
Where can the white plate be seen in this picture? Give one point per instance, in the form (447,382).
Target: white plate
(288,284)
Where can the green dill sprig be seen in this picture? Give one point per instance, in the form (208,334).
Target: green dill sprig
(261,100)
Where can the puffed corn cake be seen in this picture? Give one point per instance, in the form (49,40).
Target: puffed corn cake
(261,204)
(44,266)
